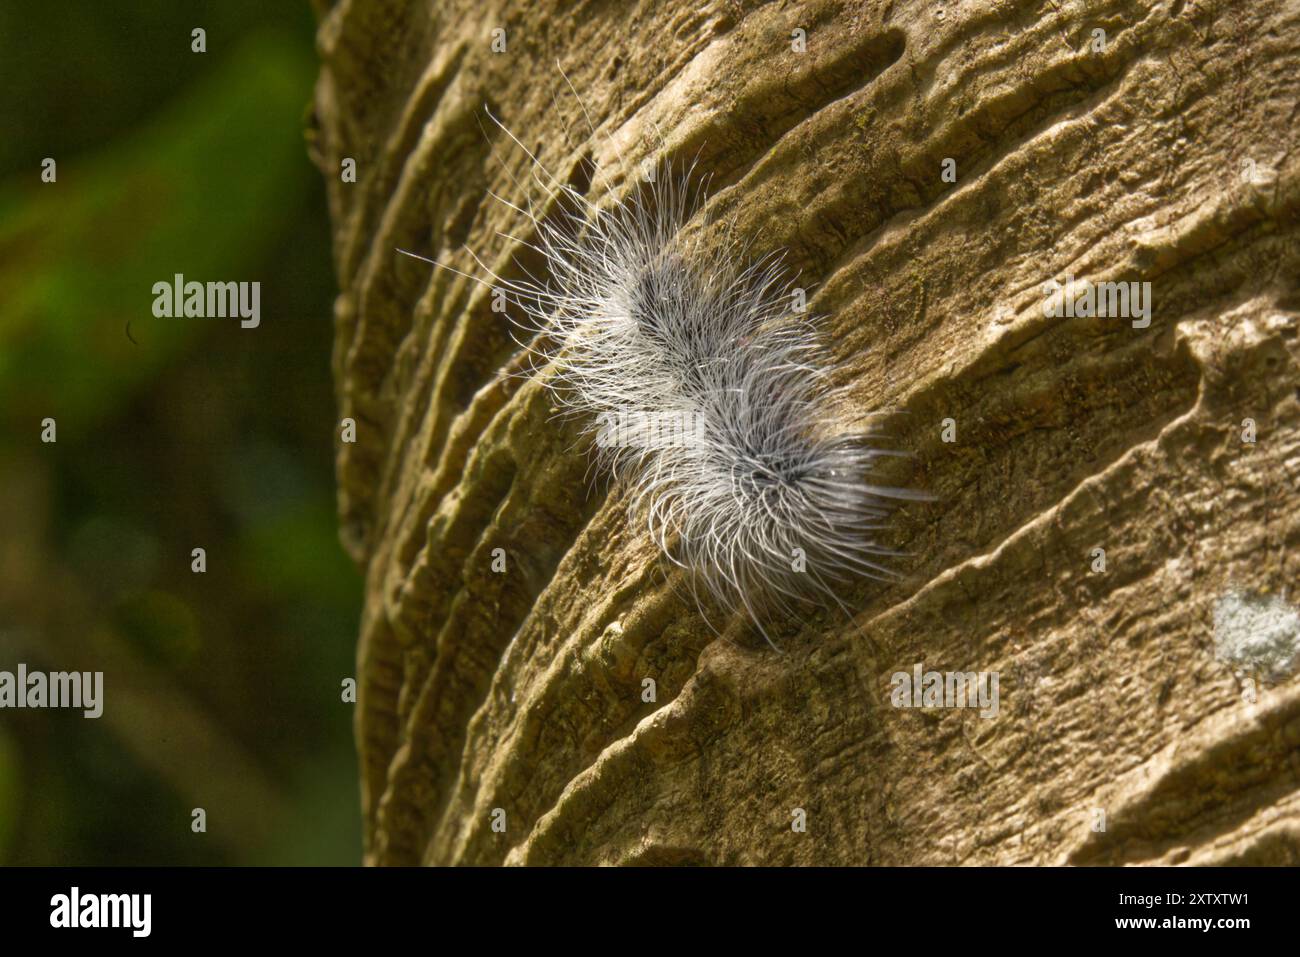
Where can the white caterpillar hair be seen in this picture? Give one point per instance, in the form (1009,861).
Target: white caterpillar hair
(759,491)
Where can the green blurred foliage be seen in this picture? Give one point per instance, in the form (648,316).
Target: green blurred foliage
(205,188)
(172,434)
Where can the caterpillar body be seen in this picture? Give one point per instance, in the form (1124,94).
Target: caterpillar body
(759,490)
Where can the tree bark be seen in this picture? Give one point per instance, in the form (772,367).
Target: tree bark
(502,716)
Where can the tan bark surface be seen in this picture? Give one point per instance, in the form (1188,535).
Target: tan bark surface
(1169,157)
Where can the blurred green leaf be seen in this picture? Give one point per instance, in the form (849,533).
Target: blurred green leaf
(80,256)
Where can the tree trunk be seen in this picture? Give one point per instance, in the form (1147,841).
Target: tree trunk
(1117,504)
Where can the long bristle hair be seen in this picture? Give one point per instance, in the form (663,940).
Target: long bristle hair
(704,387)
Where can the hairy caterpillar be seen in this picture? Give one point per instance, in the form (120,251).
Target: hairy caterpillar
(759,492)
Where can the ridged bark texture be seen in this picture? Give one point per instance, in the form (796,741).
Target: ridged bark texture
(1148,711)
